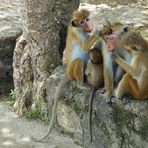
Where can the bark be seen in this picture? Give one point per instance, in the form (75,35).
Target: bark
(37,51)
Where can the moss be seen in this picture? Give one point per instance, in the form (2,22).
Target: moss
(144,128)
(101,125)
(39,111)
(123,119)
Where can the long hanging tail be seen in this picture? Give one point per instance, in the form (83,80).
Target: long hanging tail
(54,110)
(92,95)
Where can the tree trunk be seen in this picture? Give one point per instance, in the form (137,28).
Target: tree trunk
(37,51)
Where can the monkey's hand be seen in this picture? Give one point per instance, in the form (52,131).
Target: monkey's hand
(97,32)
(114,56)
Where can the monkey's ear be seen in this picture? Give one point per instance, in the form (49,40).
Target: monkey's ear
(72,23)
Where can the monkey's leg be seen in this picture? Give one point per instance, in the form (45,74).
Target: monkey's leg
(134,90)
(133,87)
(75,71)
(70,70)
(79,72)
(123,87)
(127,85)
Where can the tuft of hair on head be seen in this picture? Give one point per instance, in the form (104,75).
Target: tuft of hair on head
(80,14)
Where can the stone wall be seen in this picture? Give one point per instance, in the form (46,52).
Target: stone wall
(6,55)
(10,30)
(114,126)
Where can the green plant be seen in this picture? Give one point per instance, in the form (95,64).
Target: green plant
(33,113)
(12,96)
(39,111)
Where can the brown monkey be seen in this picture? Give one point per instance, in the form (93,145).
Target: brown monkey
(78,44)
(94,75)
(112,74)
(134,81)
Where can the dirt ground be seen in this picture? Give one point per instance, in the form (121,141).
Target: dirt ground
(15,132)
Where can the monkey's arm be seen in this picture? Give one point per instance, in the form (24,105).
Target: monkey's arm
(108,72)
(85,45)
(88,69)
(124,65)
(67,50)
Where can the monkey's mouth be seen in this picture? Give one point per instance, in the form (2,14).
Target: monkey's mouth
(88,28)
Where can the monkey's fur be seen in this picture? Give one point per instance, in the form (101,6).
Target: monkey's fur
(135,81)
(94,75)
(112,74)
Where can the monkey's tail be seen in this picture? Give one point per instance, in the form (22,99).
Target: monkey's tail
(54,110)
(92,95)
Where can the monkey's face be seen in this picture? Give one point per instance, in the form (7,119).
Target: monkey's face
(111,41)
(114,40)
(86,24)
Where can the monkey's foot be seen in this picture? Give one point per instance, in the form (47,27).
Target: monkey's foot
(102,90)
(126,99)
(110,102)
(84,86)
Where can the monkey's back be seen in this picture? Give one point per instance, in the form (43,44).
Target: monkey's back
(95,75)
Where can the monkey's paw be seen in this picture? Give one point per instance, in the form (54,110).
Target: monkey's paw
(114,56)
(126,99)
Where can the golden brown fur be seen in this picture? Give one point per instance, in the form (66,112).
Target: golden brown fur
(134,81)
(111,75)
(75,68)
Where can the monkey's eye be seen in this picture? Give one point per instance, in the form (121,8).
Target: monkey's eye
(82,22)
(134,48)
(87,19)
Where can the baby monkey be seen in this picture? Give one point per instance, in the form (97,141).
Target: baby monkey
(94,75)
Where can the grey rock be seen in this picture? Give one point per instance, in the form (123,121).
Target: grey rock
(114,126)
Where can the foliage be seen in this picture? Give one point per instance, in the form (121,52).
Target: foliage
(12,96)
(38,111)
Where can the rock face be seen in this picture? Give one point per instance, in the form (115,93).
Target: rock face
(10,30)
(114,126)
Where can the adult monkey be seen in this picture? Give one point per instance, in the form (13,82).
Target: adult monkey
(134,82)
(112,75)
(75,56)
(78,44)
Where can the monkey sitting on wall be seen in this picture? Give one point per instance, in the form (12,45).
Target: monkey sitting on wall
(78,44)
(112,74)
(94,75)
(134,82)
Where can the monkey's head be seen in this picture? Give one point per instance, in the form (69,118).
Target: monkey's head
(109,28)
(96,54)
(80,18)
(114,40)
(133,42)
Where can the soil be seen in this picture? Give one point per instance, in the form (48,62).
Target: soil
(15,132)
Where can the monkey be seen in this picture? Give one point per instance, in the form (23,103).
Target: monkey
(75,56)
(134,81)
(94,75)
(112,74)
(78,44)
